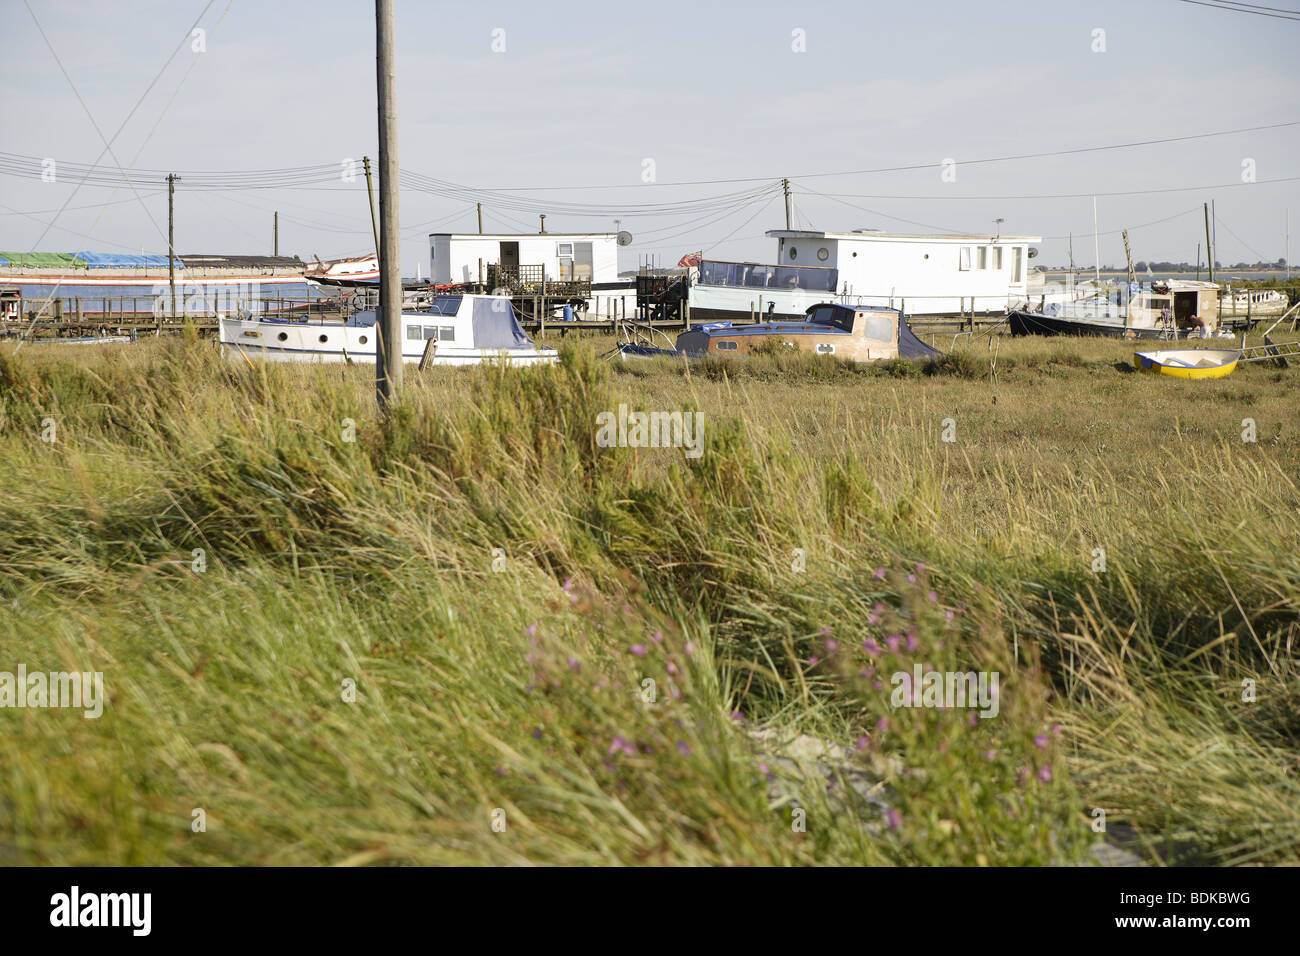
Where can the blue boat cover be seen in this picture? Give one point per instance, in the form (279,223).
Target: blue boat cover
(495,325)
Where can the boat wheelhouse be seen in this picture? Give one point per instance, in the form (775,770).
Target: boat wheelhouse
(455,330)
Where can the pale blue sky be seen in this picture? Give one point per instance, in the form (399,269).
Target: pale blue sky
(585,92)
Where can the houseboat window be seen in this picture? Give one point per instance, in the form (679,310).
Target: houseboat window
(823,253)
(1015,264)
(997,258)
(981,258)
(413,332)
(963,258)
(794,253)
(583,261)
(564,250)
(726,346)
(446,333)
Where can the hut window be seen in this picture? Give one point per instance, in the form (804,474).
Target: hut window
(1015,264)
(981,257)
(726,346)
(446,333)
(413,332)
(963,258)
(997,258)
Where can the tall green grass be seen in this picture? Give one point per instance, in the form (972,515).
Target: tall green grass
(469,634)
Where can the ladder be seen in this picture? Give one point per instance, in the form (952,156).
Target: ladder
(1271,351)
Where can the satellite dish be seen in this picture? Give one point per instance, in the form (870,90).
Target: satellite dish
(625,238)
(1032,252)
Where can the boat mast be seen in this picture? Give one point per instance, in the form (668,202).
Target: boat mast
(1096,247)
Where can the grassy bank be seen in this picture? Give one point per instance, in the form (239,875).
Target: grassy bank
(474,635)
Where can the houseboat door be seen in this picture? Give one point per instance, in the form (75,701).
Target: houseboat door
(510,257)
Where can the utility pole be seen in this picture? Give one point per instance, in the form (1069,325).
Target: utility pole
(1128,258)
(388,356)
(171,238)
(785,187)
(480,217)
(275,236)
(370,191)
(1209,246)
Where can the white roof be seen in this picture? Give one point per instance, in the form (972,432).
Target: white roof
(526,235)
(874,235)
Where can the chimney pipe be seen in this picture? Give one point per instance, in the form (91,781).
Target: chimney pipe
(543,232)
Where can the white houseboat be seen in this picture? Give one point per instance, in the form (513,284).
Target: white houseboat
(523,261)
(920,274)
(457,329)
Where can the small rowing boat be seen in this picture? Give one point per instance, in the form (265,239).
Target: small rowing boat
(1189,363)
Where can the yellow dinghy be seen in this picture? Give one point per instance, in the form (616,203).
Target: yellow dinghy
(1189,363)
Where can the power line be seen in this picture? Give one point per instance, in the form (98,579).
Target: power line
(1084,195)
(1247,8)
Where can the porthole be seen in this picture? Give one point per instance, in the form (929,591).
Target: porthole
(794,253)
(362,340)
(926,256)
(823,253)
(283,336)
(855,255)
(324,338)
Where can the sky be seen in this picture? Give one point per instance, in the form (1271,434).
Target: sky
(606,112)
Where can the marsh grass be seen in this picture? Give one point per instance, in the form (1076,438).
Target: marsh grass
(499,589)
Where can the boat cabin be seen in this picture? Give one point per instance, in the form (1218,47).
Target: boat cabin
(859,333)
(1183,298)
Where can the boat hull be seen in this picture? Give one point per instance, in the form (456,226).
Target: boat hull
(1035,323)
(1193,364)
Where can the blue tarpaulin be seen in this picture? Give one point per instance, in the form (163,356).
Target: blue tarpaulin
(120,260)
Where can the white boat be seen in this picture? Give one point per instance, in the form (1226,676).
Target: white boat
(333,271)
(463,330)
(1260,302)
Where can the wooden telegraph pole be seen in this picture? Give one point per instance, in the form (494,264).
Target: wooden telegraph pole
(785,187)
(1209,246)
(388,356)
(275,235)
(370,191)
(171,238)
